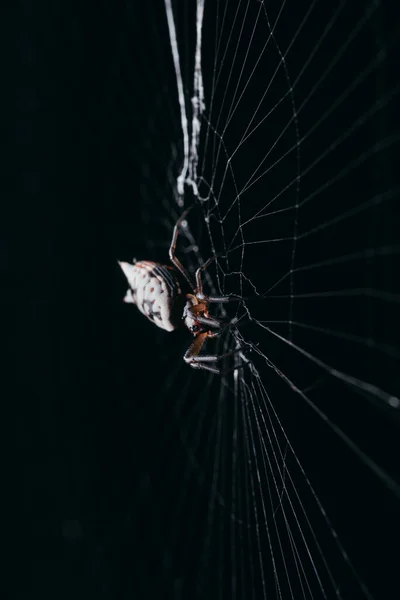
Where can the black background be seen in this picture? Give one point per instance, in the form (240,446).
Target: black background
(94,480)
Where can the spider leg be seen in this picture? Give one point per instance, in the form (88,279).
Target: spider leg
(223,299)
(197,311)
(193,359)
(192,353)
(199,289)
(174,259)
(209,321)
(199,281)
(223,326)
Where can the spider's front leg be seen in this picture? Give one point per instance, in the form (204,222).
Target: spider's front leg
(193,359)
(199,287)
(211,322)
(172,249)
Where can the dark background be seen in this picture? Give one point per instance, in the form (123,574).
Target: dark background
(98,477)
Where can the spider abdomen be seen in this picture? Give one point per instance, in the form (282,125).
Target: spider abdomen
(155,290)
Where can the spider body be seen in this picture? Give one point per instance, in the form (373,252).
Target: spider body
(158,294)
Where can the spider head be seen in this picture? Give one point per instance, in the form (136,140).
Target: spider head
(193,310)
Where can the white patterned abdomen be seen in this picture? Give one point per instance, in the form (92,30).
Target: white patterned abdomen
(155,291)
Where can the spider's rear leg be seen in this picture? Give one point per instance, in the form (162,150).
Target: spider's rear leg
(193,358)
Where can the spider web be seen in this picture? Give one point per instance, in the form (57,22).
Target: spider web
(279,121)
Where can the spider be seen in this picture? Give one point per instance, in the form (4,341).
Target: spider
(156,291)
